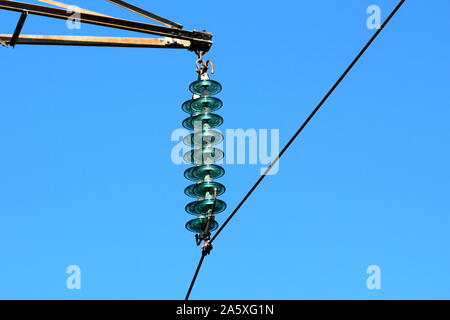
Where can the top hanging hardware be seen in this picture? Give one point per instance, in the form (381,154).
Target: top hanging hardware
(203,66)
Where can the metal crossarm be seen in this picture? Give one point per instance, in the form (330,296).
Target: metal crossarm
(199,40)
(145,13)
(96,41)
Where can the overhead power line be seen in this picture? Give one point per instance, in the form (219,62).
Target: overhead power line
(305,123)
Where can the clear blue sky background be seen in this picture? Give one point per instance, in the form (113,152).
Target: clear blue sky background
(86,176)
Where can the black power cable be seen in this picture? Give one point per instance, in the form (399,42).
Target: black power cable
(195,276)
(277,158)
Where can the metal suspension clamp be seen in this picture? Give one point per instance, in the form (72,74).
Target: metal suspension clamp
(199,237)
(206,247)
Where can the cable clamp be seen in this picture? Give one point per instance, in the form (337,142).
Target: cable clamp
(207,247)
(202,237)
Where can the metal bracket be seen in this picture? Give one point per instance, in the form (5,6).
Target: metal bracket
(202,237)
(19,27)
(206,247)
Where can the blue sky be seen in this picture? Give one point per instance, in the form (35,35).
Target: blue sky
(86,176)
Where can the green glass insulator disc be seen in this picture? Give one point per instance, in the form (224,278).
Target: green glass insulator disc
(203,104)
(198,225)
(205,87)
(203,156)
(206,104)
(199,121)
(202,207)
(201,172)
(203,138)
(200,190)
(186,106)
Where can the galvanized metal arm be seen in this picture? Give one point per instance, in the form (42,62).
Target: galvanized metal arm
(198,40)
(97,41)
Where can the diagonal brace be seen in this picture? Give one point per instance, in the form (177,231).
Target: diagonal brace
(147,14)
(19,27)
